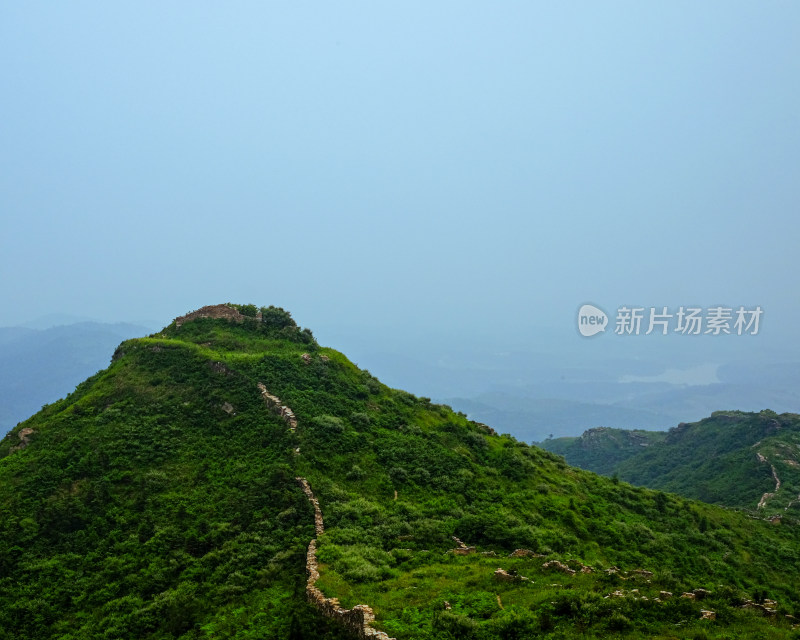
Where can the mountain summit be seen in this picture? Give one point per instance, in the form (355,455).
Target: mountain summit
(228,477)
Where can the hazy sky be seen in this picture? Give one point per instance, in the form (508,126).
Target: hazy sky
(477,168)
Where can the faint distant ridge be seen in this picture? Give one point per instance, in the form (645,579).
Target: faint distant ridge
(54,320)
(39,366)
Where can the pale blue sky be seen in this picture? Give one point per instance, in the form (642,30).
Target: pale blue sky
(475,168)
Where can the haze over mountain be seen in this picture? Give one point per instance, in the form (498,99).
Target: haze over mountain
(436,189)
(455,172)
(563,386)
(229,477)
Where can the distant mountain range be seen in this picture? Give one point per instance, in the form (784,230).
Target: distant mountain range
(532,395)
(39,366)
(569,409)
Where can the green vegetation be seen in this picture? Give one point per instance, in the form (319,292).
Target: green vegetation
(731,458)
(601,449)
(159,500)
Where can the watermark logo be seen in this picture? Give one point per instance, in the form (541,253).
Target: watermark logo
(591,320)
(686,320)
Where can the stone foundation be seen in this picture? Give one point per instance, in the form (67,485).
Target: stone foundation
(213,311)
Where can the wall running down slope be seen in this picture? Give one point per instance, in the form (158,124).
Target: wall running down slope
(358,619)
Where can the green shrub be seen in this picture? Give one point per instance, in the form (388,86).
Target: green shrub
(360,420)
(276,318)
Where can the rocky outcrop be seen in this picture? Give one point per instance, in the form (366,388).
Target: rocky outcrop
(629,575)
(485,428)
(24,439)
(697,594)
(358,619)
(508,576)
(275,405)
(555,565)
(633,594)
(768,607)
(222,311)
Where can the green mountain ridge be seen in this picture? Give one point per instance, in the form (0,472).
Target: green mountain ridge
(738,459)
(601,449)
(230,478)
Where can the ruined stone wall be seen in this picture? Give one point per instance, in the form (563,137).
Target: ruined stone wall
(277,407)
(24,439)
(359,618)
(212,311)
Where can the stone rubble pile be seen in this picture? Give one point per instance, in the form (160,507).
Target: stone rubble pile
(558,566)
(508,576)
(768,607)
(462,549)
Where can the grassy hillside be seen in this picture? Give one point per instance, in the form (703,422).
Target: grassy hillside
(161,500)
